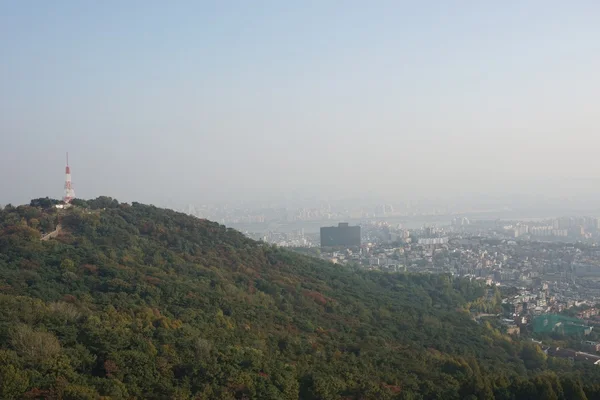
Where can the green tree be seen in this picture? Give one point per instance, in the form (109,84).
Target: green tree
(67,265)
(572,388)
(13,382)
(533,356)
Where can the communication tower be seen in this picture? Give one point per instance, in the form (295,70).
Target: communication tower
(69,192)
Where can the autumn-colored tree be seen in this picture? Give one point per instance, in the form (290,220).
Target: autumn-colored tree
(34,346)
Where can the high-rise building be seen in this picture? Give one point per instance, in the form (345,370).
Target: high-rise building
(341,235)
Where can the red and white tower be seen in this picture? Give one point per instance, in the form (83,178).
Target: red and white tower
(69,192)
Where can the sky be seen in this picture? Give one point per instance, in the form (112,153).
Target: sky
(190,102)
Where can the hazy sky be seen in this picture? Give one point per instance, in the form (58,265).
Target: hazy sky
(202,100)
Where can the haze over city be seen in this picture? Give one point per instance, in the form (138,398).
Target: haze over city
(198,102)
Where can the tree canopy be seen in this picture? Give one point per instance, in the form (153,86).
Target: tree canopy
(138,302)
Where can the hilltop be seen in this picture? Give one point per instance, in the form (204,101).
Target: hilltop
(133,301)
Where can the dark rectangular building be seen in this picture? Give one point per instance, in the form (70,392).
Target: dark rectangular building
(341,235)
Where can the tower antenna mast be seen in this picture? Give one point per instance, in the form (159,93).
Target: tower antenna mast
(69,192)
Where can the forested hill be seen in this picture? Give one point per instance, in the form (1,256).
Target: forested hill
(137,302)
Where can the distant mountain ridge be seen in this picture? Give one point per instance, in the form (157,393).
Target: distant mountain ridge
(131,301)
